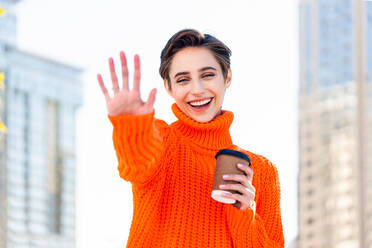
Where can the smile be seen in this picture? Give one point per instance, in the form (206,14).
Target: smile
(200,103)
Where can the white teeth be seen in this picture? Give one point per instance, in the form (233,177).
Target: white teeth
(199,103)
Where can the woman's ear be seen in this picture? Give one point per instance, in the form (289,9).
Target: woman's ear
(228,79)
(166,86)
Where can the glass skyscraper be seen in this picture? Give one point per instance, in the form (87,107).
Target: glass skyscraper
(335,114)
(37,163)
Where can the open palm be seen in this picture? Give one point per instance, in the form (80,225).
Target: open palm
(126,101)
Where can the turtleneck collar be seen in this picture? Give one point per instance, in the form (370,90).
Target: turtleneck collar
(212,135)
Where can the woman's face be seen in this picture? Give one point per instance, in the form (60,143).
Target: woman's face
(197,82)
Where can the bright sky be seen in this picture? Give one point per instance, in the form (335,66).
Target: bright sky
(263,37)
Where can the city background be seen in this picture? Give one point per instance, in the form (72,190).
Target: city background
(298,68)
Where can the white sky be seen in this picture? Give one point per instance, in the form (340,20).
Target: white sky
(263,37)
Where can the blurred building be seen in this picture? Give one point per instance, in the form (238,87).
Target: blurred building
(37,157)
(335,114)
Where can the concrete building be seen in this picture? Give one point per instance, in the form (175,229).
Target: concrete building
(335,114)
(37,160)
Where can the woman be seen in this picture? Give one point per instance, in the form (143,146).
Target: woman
(171,167)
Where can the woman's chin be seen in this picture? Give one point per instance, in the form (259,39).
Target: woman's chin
(204,118)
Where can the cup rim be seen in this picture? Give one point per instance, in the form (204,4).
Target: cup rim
(233,153)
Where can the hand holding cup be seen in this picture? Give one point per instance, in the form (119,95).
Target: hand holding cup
(233,180)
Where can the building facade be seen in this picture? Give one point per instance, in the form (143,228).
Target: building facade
(38,159)
(335,114)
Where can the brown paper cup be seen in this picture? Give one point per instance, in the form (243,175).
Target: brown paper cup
(226,163)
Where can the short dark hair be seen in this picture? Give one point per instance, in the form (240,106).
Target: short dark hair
(193,38)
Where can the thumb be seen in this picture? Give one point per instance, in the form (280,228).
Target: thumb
(151,99)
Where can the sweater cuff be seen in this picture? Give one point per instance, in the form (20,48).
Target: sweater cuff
(247,227)
(239,220)
(132,124)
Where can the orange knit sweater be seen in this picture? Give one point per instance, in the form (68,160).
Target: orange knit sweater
(171,169)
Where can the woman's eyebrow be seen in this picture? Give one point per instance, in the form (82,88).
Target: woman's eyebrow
(181,73)
(208,68)
(202,69)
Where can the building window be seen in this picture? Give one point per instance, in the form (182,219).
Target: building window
(310,192)
(310,221)
(309,163)
(54,170)
(309,178)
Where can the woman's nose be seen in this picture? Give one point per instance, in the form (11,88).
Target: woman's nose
(197,87)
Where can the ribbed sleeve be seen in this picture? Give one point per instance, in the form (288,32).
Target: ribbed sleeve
(138,143)
(262,228)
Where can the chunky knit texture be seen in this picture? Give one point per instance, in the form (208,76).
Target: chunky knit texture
(171,169)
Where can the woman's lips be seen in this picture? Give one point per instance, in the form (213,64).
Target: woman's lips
(197,102)
(202,107)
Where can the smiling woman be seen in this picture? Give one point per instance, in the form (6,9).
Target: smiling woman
(197,83)
(171,167)
(196,72)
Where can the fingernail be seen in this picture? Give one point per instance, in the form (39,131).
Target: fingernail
(225,176)
(241,165)
(223,186)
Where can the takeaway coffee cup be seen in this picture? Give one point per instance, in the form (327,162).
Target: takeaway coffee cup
(226,163)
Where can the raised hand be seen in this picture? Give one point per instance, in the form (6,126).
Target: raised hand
(126,101)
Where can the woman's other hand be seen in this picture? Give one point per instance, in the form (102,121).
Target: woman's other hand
(125,101)
(245,199)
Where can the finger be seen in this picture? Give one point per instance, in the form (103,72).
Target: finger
(244,206)
(241,202)
(251,188)
(114,78)
(137,73)
(243,179)
(248,171)
(239,199)
(246,192)
(103,88)
(151,99)
(124,70)
(251,205)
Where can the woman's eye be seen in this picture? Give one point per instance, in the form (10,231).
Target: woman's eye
(182,80)
(208,75)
